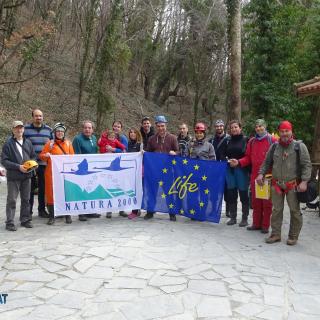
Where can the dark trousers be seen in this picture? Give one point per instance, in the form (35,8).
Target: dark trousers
(14,188)
(38,181)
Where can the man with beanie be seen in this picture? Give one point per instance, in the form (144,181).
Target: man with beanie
(290,163)
(256,151)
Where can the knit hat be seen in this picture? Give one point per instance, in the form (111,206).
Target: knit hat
(219,122)
(261,122)
(285,125)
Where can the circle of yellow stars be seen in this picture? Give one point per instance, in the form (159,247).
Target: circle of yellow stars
(203,178)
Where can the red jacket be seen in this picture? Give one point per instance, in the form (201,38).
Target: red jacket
(104,142)
(255,154)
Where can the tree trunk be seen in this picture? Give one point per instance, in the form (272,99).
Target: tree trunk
(235,59)
(316,139)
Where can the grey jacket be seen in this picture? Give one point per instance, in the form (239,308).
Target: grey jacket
(201,150)
(284,163)
(11,158)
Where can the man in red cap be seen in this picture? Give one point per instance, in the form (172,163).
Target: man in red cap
(291,170)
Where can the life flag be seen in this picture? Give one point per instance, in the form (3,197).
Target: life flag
(96,183)
(189,187)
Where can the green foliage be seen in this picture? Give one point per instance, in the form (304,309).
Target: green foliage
(32,48)
(281,47)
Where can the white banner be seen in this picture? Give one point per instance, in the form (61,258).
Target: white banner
(96,183)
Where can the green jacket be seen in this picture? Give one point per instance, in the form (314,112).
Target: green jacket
(284,163)
(83,145)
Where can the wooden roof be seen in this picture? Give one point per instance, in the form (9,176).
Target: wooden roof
(308,88)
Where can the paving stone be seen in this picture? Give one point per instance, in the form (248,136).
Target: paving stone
(69,299)
(70,274)
(214,288)
(239,287)
(214,307)
(49,312)
(153,307)
(104,295)
(112,262)
(150,292)
(255,288)
(85,263)
(100,252)
(240,296)
(272,314)
(59,283)
(56,258)
(20,303)
(197,269)
(125,283)
(173,289)
(50,266)
(86,285)
(273,295)
(150,264)
(45,293)
(16,314)
(31,275)
(158,281)
(128,272)
(99,272)
(306,304)
(7,286)
(211,275)
(29,286)
(23,260)
(94,309)
(69,261)
(20,266)
(249,309)
(226,271)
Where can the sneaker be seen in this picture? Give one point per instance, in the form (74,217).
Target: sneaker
(265,231)
(51,221)
(132,215)
(173,217)
(11,227)
(243,223)
(273,238)
(82,217)
(109,215)
(68,219)
(231,222)
(26,224)
(148,216)
(123,214)
(291,242)
(253,228)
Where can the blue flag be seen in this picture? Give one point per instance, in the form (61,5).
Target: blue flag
(189,187)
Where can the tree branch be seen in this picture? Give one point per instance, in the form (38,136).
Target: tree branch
(23,80)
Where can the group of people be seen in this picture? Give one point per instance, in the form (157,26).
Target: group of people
(249,160)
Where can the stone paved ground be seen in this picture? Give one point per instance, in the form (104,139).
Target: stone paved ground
(157,269)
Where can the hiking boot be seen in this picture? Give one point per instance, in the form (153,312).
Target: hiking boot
(95,215)
(173,217)
(123,214)
(273,238)
(109,215)
(243,223)
(11,227)
(51,221)
(253,228)
(148,216)
(68,219)
(264,231)
(231,222)
(291,242)
(43,214)
(82,217)
(132,215)
(26,224)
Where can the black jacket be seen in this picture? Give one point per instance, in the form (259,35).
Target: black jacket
(146,136)
(11,158)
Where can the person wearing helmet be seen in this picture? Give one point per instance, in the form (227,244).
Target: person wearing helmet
(58,146)
(15,152)
(199,148)
(162,142)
